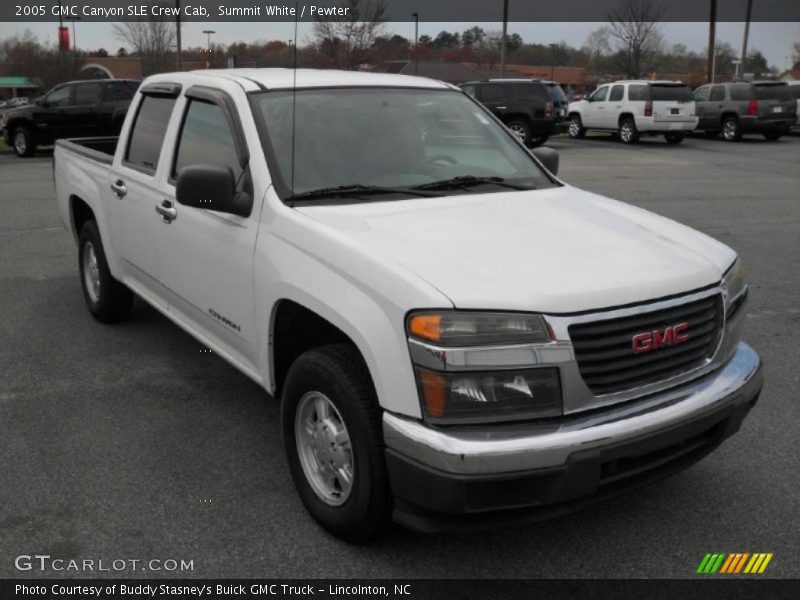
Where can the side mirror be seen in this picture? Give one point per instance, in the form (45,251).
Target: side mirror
(548,157)
(211,187)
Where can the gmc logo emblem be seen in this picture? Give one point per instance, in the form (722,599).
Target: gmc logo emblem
(648,341)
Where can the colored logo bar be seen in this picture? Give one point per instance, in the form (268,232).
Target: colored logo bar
(734,563)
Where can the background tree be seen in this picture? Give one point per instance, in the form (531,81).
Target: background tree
(347,41)
(152,40)
(635,27)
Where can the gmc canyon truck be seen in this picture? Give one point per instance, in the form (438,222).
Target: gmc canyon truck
(457,337)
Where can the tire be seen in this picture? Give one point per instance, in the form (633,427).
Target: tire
(107,299)
(334,377)
(23,142)
(576,129)
(627,133)
(674,138)
(773,136)
(731,130)
(521,130)
(538,140)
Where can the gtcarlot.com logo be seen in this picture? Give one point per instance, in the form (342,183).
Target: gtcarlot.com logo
(734,563)
(43,562)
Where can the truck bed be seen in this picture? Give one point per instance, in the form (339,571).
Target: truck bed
(100,149)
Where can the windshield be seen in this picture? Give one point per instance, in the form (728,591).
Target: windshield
(397,138)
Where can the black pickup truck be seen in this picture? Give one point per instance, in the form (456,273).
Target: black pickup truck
(75,109)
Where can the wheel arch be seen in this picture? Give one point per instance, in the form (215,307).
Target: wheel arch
(625,115)
(79,212)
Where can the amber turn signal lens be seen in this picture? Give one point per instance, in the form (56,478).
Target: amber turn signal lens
(434,392)
(426,327)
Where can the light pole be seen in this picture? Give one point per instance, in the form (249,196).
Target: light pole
(736,64)
(208,33)
(746,34)
(74,37)
(416,42)
(503,40)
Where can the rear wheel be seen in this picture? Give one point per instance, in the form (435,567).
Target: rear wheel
(731,130)
(521,130)
(628,133)
(674,138)
(107,299)
(576,129)
(773,136)
(23,142)
(333,439)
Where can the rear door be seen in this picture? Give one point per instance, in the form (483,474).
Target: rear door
(133,186)
(493,96)
(715,106)
(206,257)
(83,117)
(672,103)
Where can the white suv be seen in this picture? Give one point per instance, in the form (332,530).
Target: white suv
(634,107)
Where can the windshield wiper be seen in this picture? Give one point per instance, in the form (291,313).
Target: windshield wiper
(465,181)
(356,190)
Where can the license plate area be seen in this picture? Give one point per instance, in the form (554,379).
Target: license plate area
(777,109)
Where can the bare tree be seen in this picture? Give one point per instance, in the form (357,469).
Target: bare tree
(347,41)
(636,28)
(152,39)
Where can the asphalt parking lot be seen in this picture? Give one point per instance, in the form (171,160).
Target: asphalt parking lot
(127,442)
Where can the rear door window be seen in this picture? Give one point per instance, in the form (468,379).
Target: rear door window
(120,91)
(616,93)
(680,93)
(717,93)
(87,94)
(493,93)
(147,135)
(772,92)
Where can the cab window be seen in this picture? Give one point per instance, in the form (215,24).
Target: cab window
(59,97)
(600,94)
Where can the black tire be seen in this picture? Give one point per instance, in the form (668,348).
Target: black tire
(111,301)
(674,138)
(773,136)
(627,133)
(576,129)
(731,129)
(521,130)
(538,140)
(338,372)
(23,142)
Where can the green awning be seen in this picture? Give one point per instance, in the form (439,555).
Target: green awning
(17,82)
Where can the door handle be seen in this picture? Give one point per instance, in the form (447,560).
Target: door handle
(501,108)
(118,187)
(167,211)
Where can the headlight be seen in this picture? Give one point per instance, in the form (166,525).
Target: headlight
(457,328)
(476,367)
(735,289)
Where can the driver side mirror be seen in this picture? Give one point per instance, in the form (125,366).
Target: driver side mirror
(211,187)
(548,157)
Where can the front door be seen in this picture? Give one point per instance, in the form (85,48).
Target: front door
(82,118)
(595,109)
(206,257)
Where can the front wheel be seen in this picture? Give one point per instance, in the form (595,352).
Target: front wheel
(628,133)
(333,439)
(23,142)
(107,299)
(674,138)
(576,129)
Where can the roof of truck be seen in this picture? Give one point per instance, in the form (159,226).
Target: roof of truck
(307,78)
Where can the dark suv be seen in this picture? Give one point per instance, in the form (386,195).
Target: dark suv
(76,109)
(740,107)
(524,105)
(560,104)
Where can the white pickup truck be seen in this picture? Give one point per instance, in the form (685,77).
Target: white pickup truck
(456,336)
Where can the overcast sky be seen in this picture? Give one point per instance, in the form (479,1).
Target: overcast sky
(773,39)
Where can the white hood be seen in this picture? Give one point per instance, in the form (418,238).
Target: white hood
(558,250)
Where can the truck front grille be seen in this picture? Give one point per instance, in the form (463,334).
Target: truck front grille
(606,354)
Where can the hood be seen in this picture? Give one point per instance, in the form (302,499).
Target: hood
(558,250)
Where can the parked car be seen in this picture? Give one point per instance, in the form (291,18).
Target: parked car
(794,90)
(525,106)
(560,105)
(74,109)
(456,336)
(13,102)
(631,108)
(741,107)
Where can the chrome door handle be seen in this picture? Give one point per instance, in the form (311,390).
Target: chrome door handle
(118,187)
(167,212)
(502,108)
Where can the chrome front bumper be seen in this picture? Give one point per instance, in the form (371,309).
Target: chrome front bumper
(499,449)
